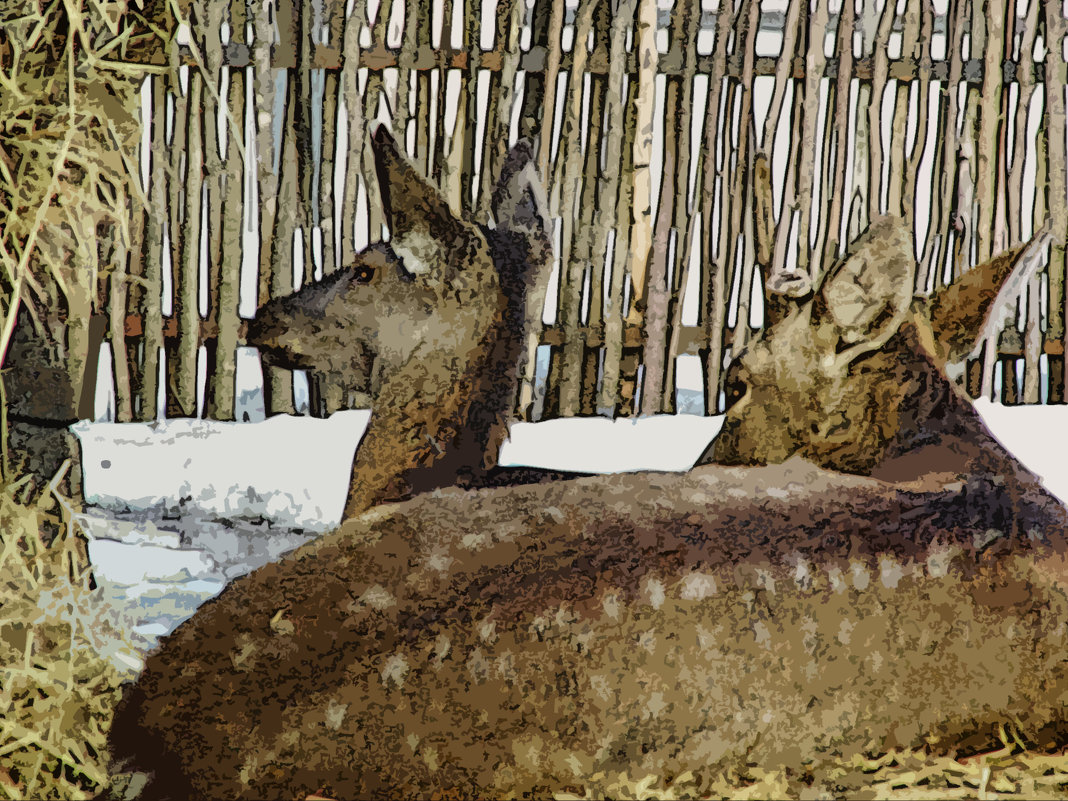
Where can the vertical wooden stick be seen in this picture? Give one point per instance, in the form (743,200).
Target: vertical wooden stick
(157,213)
(616,142)
(1056,79)
(350,61)
(990,124)
(573,260)
(713,271)
(880,76)
(221,391)
(182,373)
(834,200)
(815,61)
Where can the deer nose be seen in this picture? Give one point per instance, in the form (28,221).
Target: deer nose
(255,331)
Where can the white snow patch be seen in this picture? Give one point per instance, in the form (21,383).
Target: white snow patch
(600,445)
(292,470)
(1036,435)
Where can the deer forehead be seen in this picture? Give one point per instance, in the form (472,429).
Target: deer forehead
(794,349)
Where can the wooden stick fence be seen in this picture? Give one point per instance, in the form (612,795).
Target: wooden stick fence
(651,142)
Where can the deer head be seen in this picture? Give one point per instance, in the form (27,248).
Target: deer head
(437,278)
(850,375)
(431,324)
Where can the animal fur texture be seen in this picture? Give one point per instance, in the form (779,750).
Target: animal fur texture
(858,565)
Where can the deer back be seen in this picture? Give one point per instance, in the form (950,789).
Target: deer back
(529,640)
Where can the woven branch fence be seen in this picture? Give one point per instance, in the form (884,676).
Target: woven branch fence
(653,126)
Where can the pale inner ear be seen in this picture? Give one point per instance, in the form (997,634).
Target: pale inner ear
(424,233)
(419,252)
(867,296)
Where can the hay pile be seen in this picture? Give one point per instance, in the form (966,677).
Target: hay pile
(56,693)
(70,78)
(1009,772)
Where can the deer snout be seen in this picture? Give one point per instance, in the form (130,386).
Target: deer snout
(271,339)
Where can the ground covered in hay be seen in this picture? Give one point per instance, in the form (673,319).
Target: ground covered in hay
(1010,772)
(56,693)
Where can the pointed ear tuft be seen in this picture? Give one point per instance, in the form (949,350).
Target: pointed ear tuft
(422,227)
(519,202)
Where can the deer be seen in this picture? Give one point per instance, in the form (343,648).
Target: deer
(432,325)
(854,565)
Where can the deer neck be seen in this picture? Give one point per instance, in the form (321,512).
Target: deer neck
(942,441)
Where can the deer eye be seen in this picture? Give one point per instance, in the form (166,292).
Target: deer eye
(364,274)
(734,389)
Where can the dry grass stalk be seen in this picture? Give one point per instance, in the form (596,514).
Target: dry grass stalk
(56,693)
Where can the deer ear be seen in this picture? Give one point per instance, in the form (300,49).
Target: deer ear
(866,296)
(422,228)
(962,314)
(519,202)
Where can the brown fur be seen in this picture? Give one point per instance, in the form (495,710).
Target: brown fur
(431,325)
(519,641)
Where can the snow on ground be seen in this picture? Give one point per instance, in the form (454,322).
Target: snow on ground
(1036,435)
(181,507)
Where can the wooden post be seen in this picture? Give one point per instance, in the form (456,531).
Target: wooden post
(713,275)
(182,356)
(354,172)
(830,231)
(814,65)
(573,256)
(277,383)
(220,391)
(1056,79)
(617,141)
(687,24)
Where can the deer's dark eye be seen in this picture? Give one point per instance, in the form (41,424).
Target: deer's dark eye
(364,274)
(734,388)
